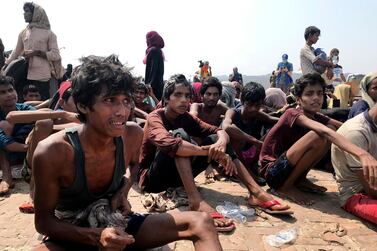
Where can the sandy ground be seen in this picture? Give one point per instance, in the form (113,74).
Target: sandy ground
(316,224)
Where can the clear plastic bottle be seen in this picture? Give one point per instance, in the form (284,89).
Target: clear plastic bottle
(234,212)
(282,237)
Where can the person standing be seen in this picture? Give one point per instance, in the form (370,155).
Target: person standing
(38,44)
(307,56)
(284,74)
(2,56)
(154,61)
(236,76)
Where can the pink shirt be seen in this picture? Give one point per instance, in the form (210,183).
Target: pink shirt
(37,39)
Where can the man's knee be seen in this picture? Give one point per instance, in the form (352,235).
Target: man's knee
(44,125)
(6,127)
(317,141)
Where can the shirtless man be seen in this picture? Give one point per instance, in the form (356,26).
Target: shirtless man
(78,168)
(211,110)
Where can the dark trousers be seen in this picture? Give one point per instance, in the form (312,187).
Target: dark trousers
(163,172)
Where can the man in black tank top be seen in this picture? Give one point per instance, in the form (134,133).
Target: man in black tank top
(83,169)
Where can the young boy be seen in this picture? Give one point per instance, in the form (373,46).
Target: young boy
(169,158)
(245,123)
(31,93)
(80,188)
(299,140)
(12,136)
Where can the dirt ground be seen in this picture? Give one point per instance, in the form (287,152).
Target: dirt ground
(318,225)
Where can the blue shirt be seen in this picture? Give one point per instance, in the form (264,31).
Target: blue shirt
(357,108)
(20,131)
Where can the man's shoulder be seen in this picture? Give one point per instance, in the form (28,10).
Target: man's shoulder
(54,147)
(133,130)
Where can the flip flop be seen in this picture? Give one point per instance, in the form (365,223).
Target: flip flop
(26,208)
(217,215)
(266,207)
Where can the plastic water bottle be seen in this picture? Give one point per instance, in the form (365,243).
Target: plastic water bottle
(234,212)
(282,237)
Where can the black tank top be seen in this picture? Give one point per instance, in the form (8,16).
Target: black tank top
(78,195)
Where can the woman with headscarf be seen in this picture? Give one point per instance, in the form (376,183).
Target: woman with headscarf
(368,91)
(154,61)
(38,44)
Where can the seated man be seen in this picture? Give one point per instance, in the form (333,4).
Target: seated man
(245,123)
(356,180)
(80,188)
(12,136)
(169,159)
(299,140)
(140,93)
(211,110)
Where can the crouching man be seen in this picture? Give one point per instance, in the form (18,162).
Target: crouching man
(80,184)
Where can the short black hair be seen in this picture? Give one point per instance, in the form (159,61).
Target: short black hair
(311,30)
(306,80)
(211,82)
(253,92)
(29,88)
(98,74)
(6,80)
(170,84)
(141,86)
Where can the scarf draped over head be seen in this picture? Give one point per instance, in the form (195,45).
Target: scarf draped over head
(364,90)
(154,40)
(40,19)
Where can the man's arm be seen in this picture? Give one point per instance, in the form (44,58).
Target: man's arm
(369,164)
(49,162)
(194,109)
(262,116)
(47,169)
(237,134)
(34,115)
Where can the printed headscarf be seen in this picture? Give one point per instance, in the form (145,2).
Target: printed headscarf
(154,40)
(40,19)
(364,90)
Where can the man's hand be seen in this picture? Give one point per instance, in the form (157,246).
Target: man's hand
(369,165)
(227,163)
(114,239)
(120,201)
(215,151)
(71,116)
(32,53)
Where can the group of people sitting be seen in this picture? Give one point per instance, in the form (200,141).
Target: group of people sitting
(100,136)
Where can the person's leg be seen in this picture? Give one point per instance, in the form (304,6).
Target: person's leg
(42,129)
(173,226)
(7,180)
(363,206)
(302,156)
(257,195)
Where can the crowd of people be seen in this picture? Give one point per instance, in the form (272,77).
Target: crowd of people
(86,135)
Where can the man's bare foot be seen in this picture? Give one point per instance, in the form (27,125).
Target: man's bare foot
(203,206)
(307,186)
(5,186)
(294,195)
(263,197)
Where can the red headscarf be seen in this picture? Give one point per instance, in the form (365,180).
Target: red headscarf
(154,40)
